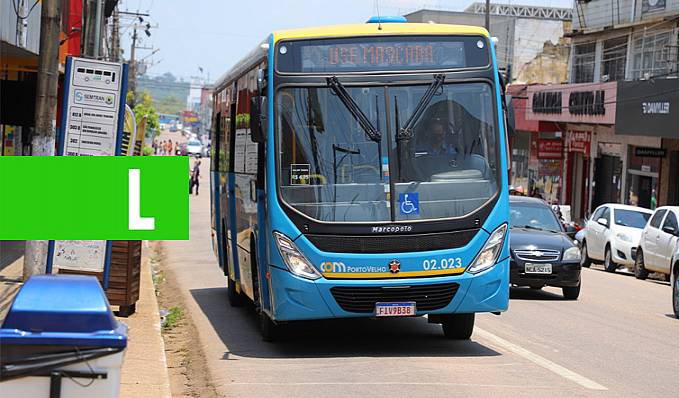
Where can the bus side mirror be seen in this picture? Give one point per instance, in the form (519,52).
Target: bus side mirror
(509,114)
(258,123)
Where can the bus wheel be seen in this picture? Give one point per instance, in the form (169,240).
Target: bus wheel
(235,298)
(458,326)
(270,330)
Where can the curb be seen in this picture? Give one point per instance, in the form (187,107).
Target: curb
(144,372)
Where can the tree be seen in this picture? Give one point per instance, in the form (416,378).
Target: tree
(169,105)
(145,108)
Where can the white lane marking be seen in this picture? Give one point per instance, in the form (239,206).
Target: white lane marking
(382,383)
(537,359)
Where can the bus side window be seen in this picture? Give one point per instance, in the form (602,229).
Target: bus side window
(251,148)
(216,139)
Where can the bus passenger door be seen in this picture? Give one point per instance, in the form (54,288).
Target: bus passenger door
(216,192)
(229,204)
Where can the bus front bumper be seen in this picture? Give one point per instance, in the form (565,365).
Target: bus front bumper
(294,298)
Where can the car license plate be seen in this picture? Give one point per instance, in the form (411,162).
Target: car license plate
(538,268)
(395,309)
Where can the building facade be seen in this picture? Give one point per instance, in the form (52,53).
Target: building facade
(615,115)
(531,45)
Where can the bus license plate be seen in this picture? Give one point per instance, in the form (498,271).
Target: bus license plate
(538,268)
(395,309)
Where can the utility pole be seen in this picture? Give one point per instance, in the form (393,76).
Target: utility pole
(44,137)
(488,15)
(97,29)
(115,36)
(132,79)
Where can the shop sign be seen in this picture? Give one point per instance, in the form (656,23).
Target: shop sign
(573,103)
(550,168)
(645,152)
(578,141)
(648,108)
(550,149)
(652,6)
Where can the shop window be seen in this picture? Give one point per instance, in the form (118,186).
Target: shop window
(650,54)
(583,62)
(613,59)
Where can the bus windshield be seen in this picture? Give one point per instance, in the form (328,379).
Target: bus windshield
(334,168)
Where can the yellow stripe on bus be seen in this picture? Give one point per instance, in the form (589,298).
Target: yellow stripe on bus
(371,29)
(384,275)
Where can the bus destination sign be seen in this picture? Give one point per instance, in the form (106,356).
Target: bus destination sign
(382,54)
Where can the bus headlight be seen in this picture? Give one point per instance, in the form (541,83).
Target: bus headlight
(293,258)
(487,257)
(571,254)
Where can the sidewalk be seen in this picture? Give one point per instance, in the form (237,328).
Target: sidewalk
(11,269)
(144,373)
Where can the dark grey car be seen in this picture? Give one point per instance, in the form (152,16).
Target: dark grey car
(542,254)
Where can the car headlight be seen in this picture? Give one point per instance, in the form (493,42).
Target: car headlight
(571,254)
(293,258)
(624,237)
(487,257)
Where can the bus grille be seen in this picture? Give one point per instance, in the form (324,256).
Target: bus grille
(392,243)
(362,299)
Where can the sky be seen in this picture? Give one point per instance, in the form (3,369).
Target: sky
(215,34)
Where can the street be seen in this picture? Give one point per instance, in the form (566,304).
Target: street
(618,340)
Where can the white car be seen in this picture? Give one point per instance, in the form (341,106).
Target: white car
(659,247)
(612,235)
(194,148)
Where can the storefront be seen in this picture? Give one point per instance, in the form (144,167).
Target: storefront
(580,112)
(536,158)
(648,110)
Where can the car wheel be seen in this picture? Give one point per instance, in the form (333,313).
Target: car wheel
(640,271)
(235,298)
(458,326)
(609,264)
(675,291)
(571,293)
(585,261)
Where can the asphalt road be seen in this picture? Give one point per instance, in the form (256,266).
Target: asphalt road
(618,340)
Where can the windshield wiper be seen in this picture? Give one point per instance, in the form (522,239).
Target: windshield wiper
(532,227)
(352,107)
(406,132)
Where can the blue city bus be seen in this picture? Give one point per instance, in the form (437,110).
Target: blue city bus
(361,171)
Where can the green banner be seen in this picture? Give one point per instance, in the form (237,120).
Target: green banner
(94,197)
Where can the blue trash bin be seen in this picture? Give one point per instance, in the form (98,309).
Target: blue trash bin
(60,339)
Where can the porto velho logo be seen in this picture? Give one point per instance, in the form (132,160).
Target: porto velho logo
(94,198)
(329,267)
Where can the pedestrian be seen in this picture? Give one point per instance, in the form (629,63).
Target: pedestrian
(163,147)
(169,147)
(654,200)
(195,177)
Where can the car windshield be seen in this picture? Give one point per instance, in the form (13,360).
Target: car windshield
(193,143)
(533,216)
(335,166)
(631,218)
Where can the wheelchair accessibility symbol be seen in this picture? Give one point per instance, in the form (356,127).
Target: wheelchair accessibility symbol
(409,203)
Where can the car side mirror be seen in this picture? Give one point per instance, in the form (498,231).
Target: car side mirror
(670,230)
(258,123)
(602,221)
